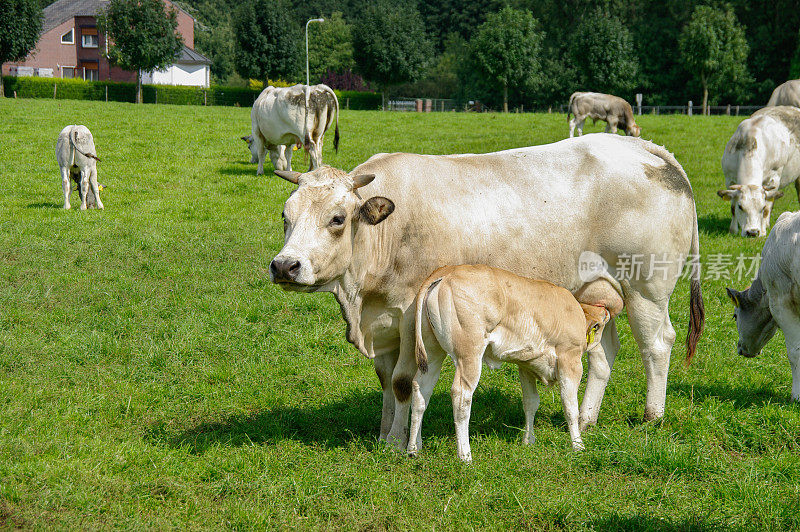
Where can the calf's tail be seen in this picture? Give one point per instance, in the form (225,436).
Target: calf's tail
(697,311)
(422,296)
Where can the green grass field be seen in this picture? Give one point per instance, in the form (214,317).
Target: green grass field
(152,377)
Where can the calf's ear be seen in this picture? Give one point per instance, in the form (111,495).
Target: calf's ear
(727,194)
(376,209)
(734,295)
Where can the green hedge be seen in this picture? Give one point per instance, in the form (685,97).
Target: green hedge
(76,89)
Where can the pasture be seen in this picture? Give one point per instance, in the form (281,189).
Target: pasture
(152,377)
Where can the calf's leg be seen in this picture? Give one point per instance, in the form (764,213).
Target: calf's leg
(530,402)
(570,371)
(467,375)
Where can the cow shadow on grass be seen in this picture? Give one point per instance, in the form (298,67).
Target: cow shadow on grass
(740,396)
(45,205)
(713,224)
(647,523)
(353,418)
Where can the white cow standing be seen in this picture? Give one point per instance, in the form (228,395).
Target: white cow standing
(284,117)
(773,300)
(761,158)
(77,159)
(787,93)
(373,236)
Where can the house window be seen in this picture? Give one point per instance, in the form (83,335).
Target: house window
(67,72)
(69,37)
(90,72)
(89,37)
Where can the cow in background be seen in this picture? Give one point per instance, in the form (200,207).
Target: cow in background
(613,110)
(761,158)
(77,160)
(287,116)
(787,93)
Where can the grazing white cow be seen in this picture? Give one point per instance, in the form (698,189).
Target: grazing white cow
(761,158)
(615,111)
(371,237)
(773,300)
(288,116)
(477,314)
(77,159)
(787,93)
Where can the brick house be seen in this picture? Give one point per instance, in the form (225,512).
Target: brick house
(70,46)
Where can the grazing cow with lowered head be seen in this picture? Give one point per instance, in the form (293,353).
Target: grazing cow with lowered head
(372,236)
(773,300)
(480,315)
(77,160)
(287,116)
(787,93)
(613,110)
(761,158)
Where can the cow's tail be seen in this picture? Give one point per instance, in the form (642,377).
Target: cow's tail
(422,296)
(697,311)
(74,142)
(336,131)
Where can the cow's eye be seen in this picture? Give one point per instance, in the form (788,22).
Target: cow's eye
(337,221)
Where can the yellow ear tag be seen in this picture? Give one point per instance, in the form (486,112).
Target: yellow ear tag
(736,301)
(590,336)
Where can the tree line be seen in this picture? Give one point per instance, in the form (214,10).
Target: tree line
(507,53)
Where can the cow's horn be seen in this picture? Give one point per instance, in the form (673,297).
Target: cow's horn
(362,180)
(291,177)
(735,187)
(770,186)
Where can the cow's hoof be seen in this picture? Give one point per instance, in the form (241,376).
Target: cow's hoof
(100,206)
(83,207)
(578,446)
(67,206)
(650,415)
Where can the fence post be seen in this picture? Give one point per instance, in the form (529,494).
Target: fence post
(347,105)
(15,95)
(549,110)
(443,106)
(737,110)
(106,93)
(689,109)
(55,89)
(156,96)
(205,98)
(728,110)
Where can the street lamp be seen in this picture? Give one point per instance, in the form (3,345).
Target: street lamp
(308,82)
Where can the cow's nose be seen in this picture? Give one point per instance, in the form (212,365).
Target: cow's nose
(284,269)
(751,233)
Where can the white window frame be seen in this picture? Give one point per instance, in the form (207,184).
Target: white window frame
(71,33)
(96,41)
(86,78)
(62,67)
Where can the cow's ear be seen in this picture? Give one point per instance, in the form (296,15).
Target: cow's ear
(291,177)
(727,194)
(734,295)
(376,209)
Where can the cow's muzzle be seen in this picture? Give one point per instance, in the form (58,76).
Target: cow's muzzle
(284,270)
(751,233)
(745,354)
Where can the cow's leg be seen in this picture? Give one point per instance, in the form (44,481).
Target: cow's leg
(84,186)
(315,151)
(261,150)
(402,375)
(385,361)
(797,188)
(579,125)
(611,127)
(421,391)
(654,334)
(570,371)
(288,151)
(783,309)
(530,402)
(276,156)
(95,187)
(66,186)
(601,360)
(465,381)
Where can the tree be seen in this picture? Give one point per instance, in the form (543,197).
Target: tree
(330,47)
(142,36)
(390,45)
(507,48)
(714,49)
(267,41)
(602,52)
(22,22)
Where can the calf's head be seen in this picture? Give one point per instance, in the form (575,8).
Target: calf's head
(753,319)
(751,207)
(320,221)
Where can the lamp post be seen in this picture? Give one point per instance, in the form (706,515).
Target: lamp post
(308,82)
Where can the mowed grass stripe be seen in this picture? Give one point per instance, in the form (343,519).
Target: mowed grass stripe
(152,377)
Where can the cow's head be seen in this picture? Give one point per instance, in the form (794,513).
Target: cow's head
(753,319)
(751,207)
(251,146)
(320,221)
(634,130)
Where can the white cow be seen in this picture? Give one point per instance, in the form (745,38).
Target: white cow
(288,116)
(476,315)
(77,158)
(761,158)
(371,237)
(615,111)
(787,93)
(773,300)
